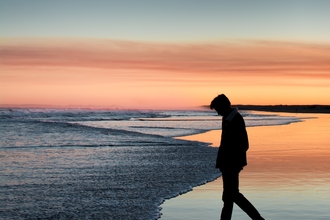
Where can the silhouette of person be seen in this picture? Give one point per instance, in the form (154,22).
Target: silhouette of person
(232,158)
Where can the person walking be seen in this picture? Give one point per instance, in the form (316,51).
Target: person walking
(232,158)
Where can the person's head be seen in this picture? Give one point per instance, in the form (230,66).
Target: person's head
(221,104)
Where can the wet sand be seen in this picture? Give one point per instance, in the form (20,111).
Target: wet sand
(287,177)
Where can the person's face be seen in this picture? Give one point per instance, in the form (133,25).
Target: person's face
(220,110)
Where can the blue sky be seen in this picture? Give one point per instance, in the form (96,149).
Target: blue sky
(169,20)
(163,54)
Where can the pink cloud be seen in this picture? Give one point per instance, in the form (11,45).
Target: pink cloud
(240,57)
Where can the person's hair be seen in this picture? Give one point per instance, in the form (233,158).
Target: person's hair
(220,101)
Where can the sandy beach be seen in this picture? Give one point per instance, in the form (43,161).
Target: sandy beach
(287,176)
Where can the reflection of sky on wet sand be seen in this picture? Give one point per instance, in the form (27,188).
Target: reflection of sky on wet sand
(287,177)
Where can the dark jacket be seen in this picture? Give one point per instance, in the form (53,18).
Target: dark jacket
(234,143)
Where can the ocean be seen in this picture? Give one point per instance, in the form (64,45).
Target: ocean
(105,164)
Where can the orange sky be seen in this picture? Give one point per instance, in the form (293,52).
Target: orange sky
(83,72)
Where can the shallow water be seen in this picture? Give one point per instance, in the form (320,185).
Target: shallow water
(287,176)
(99,164)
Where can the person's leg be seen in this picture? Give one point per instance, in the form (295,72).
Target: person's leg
(245,205)
(230,189)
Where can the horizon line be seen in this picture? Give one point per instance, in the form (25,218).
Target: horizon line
(127,108)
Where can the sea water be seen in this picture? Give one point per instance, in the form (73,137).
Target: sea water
(104,164)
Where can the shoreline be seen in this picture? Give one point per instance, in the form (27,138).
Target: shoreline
(297,148)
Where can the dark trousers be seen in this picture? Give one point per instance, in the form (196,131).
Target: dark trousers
(232,195)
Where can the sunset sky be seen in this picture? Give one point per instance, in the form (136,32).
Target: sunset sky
(163,54)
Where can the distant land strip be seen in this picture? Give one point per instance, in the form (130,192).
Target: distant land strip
(286,108)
